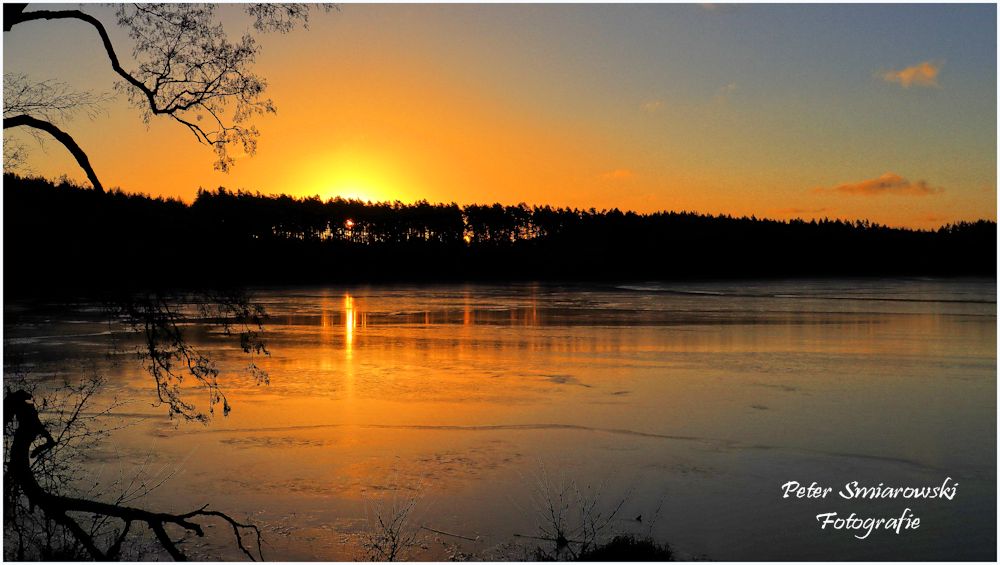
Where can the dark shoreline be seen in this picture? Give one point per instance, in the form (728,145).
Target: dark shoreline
(63,239)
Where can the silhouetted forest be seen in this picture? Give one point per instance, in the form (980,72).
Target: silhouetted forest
(60,236)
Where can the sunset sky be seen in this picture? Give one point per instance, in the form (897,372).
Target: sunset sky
(884,112)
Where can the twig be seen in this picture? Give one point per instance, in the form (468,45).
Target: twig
(449,534)
(546,539)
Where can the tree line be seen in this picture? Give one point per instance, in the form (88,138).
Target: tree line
(59,235)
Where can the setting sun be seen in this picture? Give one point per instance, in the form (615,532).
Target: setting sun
(354,174)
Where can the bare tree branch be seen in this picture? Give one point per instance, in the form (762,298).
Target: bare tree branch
(168,356)
(188,69)
(62,137)
(50,100)
(19,475)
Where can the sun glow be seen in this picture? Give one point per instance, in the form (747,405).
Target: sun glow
(356,175)
(352,192)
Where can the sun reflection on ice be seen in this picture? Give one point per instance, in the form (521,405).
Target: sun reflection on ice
(349,322)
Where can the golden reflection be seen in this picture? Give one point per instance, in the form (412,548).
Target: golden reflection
(354,318)
(348,324)
(350,321)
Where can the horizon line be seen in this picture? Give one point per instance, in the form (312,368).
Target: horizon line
(64,179)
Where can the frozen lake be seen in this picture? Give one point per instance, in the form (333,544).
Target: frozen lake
(692,402)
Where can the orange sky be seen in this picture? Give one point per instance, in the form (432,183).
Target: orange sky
(637,107)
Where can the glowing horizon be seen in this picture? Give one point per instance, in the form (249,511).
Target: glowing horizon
(886,113)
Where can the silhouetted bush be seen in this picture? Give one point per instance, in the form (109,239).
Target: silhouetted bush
(628,548)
